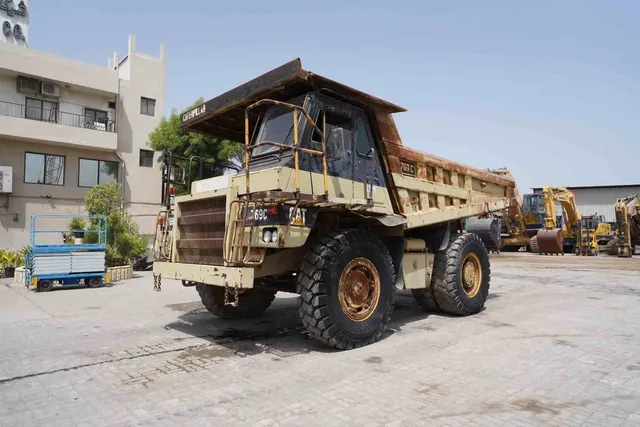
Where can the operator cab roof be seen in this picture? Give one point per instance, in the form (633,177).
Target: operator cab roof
(223,116)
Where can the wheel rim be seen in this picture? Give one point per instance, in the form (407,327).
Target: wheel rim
(471,274)
(359,289)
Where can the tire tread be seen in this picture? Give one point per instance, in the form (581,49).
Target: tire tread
(445,270)
(312,282)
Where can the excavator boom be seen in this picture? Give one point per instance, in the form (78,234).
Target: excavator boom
(551,239)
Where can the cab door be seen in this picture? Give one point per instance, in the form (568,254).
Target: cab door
(366,168)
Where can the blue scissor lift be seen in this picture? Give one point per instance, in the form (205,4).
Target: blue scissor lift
(66,264)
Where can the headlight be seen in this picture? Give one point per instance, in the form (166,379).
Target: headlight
(270,235)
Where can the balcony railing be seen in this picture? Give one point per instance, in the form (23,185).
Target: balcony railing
(53,115)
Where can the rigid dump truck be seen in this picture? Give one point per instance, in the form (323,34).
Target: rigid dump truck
(330,205)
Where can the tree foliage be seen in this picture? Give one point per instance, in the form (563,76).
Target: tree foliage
(123,240)
(104,199)
(221,154)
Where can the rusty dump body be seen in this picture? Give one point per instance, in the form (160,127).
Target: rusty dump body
(423,188)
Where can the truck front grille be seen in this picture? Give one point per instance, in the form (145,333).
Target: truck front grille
(201,225)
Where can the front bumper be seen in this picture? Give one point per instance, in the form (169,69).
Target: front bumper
(240,277)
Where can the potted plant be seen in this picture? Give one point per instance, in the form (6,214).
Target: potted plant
(8,260)
(75,225)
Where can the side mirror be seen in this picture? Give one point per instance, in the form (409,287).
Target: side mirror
(336,144)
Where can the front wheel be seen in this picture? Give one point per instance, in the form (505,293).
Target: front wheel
(93,282)
(251,302)
(347,287)
(461,274)
(44,285)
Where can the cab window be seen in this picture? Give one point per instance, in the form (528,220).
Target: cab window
(332,120)
(363,142)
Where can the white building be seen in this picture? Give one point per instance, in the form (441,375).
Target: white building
(599,200)
(14,18)
(66,126)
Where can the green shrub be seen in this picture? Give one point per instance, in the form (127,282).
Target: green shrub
(8,258)
(124,243)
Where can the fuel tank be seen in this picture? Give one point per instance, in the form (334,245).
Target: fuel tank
(488,229)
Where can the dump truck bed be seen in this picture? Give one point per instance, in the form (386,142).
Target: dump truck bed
(423,188)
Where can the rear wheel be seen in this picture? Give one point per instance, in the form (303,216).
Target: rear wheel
(461,274)
(425,299)
(93,282)
(251,302)
(347,287)
(45,285)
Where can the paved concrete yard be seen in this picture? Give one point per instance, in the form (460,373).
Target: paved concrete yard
(558,345)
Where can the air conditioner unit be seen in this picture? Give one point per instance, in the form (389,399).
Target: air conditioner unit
(50,89)
(28,85)
(6,178)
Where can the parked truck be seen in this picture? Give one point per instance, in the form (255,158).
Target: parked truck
(330,205)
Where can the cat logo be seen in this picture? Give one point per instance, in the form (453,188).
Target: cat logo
(194,113)
(299,217)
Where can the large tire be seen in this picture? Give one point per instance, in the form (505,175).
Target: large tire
(347,288)
(456,286)
(251,302)
(533,244)
(425,299)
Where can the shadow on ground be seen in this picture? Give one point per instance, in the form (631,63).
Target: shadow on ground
(279,332)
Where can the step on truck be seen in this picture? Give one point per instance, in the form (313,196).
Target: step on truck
(329,205)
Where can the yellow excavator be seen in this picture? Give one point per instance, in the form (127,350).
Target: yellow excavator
(627,241)
(580,234)
(551,238)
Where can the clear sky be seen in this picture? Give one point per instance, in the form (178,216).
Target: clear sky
(487,83)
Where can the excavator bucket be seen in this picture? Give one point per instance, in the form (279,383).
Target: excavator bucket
(488,229)
(550,241)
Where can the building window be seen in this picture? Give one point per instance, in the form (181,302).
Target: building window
(92,115)
(146,158)
(147,106)
(95,119)
(43,169)
(37,109)
(94,172)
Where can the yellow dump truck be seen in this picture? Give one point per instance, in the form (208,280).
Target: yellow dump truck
(329,205)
